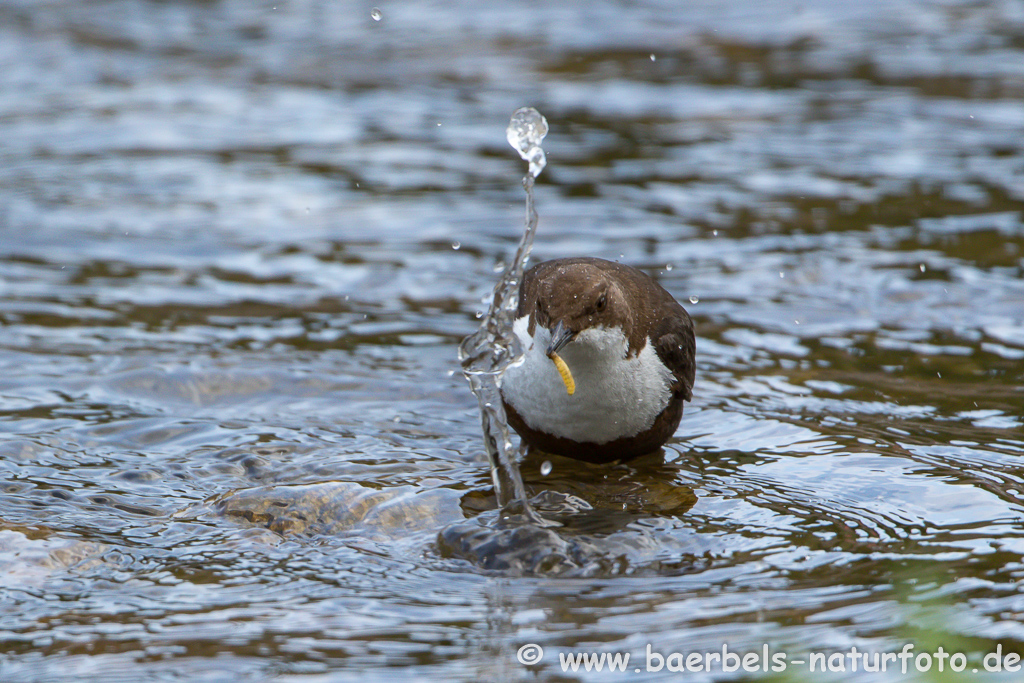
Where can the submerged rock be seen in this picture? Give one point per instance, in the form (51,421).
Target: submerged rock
(340,507)
(528,549)
(30,556)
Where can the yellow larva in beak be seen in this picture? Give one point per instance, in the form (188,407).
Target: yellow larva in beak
(563,370)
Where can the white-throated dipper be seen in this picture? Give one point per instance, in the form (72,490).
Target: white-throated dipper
(608,361)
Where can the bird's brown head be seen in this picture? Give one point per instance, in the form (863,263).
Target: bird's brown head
(572,299)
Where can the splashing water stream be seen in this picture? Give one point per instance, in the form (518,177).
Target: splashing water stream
(486,353)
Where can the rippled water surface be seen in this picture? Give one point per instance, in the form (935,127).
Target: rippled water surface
(239,244)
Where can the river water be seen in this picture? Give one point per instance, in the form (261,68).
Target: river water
(241,240)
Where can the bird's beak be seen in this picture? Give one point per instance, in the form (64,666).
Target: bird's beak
(560,336)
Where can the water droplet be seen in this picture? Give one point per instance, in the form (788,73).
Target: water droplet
(653,57)
(545,468)
(796,322)
(499,266)
(694,298)
(346,297)
(782,274)
(456,245)
(669,266)
(525,132)
(479,314)
(714,233)
(376,14)
(939,374)
(397,419)
(922,268)
(451,373)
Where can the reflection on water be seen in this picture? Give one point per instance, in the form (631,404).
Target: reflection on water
(238,443)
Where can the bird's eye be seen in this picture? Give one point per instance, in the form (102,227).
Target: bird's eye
(602,301)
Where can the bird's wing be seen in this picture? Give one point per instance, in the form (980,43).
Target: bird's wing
(675,345)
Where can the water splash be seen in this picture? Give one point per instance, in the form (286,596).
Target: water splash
(486,353)
(525,132)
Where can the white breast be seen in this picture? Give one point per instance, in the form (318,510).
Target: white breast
(615,396)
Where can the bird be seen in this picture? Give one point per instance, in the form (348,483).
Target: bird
(609,357)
